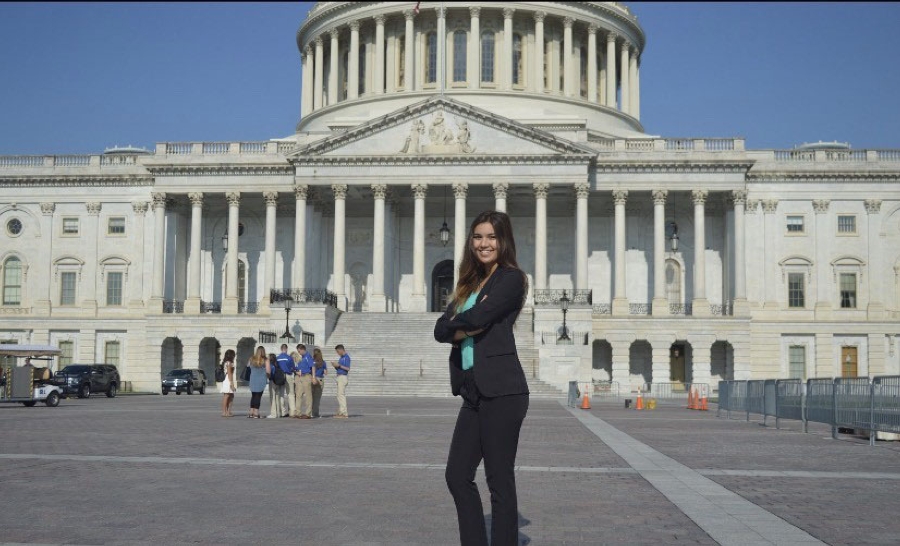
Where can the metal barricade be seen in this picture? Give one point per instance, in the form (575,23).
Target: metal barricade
(756,397)
(788,400)
(606,389)
(724,402)
(667,391)
(819,406)
(737,397)
(853,404)
(886,403)
(573,394)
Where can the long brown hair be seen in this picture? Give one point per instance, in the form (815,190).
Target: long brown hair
(317,355)
(471,271)
(258,361)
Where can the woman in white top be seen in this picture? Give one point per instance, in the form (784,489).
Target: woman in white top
(229,386)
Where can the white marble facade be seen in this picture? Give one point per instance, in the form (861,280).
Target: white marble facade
(119,254)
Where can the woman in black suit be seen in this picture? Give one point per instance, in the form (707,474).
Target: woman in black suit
(485,371)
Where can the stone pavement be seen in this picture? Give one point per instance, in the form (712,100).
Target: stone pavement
(153,469)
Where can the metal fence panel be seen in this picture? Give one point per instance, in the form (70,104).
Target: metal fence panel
(819,402)
(852,402)
(606,388)
(886,403)
(724,402)
(788,400)
(756,397)
(737,397)
(769,406)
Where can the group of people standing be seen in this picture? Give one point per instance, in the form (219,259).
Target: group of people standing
(295,382)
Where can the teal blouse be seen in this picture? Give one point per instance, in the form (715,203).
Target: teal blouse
(468,344)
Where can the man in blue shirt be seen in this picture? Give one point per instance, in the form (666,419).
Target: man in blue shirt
(342,367)
(303,382)
(277,392)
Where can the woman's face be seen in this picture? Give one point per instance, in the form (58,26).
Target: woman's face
(485,245)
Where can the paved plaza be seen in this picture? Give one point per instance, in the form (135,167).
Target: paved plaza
(171,470)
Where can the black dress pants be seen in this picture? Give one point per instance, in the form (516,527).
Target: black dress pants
(486,428)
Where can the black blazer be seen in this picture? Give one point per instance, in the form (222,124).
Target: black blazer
(497,369)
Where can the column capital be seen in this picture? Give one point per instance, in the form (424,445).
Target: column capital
(233,198)
(379,191)
(196,199)
(508,13)
(334,32)
(420,190)
(379,19)
(461,190)
(354,26)
(301,191)
(582,190)
(307,49)
(474,11)
(48,208)
(93,208)
(409,14)
(440,11)
(873,206)
(271,198)
(592,29)
(770,206)
(541,189)
(139,207)
(319,41)
(626,46)
(739,197)
(539,16)
(820,205)
(659,196)
(159,200)
(500,190)
(698,197)
(620,197)
(611,37)
(751,206)
(568,22)
(339,190)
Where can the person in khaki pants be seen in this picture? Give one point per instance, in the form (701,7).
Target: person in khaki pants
(342,367)
(318,384)
(303,383)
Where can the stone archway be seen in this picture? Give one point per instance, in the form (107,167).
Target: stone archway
(441,285)
(171,355)
(722,363)
(601,360)
(640,364)
(210,354)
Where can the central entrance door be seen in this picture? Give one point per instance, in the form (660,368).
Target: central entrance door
(676,364)
(441,285)
(849,366)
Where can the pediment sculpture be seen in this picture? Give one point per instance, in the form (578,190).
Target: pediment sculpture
(442,139)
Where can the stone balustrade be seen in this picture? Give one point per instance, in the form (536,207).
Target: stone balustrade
(38,161)
(224,148)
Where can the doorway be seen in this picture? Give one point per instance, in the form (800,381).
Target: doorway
(677,372)
(441,285)
(849,362)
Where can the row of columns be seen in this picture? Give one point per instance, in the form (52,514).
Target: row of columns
(601,84)
(460,190)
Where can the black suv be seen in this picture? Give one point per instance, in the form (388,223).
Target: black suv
(83,379)
(184,380)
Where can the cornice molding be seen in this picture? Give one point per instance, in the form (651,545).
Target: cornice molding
(221,170)
(662,166)
(448,160)
(76,180)
(844,176)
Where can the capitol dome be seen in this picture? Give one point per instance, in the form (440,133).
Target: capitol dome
(552,65)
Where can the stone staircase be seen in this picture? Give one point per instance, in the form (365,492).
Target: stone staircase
(395,354)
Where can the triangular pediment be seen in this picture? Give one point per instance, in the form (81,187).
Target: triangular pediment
(442,127)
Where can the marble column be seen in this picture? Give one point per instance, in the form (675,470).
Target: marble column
(660,304)
(138,280)
(441,73)
(592,63)
(409,53)
(625,98)
(636,85)
(473,58)
(89,273)
(500,191)
(541,189)
(582,191)
(301,192)
(309,62)
(611,69)
(601,86)
(192,303)
(379,54)
(159,250)
(460,229)
(700,304)
(43,304)
(506,63)
(620,298)
(230,302)
(418,302)
(632,82)
(568,80)
(741,307)
(376,299)
(333,57)
(319,78)
(353,62)
(271,198)
(340,223)
(538,80)
(876,293)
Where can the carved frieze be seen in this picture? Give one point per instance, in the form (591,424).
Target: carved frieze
(820,206)
(140,207)
(48,208)
(769,206)
(873,206)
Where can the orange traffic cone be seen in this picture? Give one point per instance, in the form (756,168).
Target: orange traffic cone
(703,404)
(690,399)
(640,402)
(585,403)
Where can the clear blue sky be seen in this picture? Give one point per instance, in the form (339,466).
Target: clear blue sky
(77,78)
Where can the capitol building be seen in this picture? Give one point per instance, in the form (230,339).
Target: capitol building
(651,258)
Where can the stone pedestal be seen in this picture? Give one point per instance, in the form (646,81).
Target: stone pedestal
(701,307)
(230,306)
(660,307)
(192,306)
(620,306)
(377,303)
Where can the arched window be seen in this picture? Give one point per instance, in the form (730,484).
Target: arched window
(361,88)
(459,56)
(518,74)
(12,281)
(401,63)
(487,57)
(431,57)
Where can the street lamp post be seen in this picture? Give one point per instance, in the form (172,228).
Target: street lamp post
(287,301)
(564,305)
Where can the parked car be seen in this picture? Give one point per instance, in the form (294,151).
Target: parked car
(84,379)
(184,380)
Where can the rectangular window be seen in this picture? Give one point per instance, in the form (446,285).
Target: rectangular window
(848,290)
(797,362)
(431,57)
(459,56)
(795,224)
(796,295)
(111,353)
(67,288)
(116,226)
(114,288)
(487,57)
(70,226)
(846,224)
(67,353)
